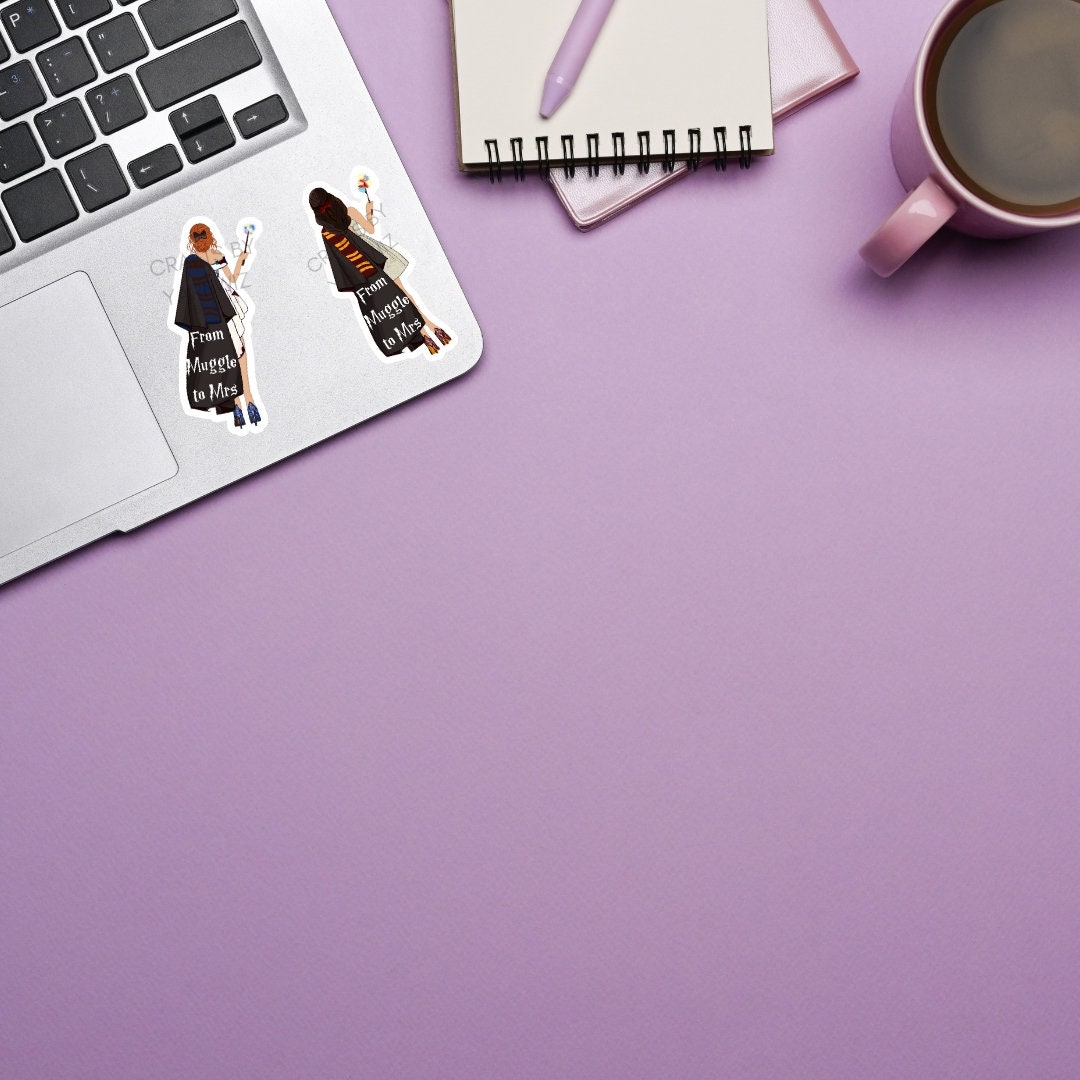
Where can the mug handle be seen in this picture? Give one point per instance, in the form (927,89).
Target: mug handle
(917,218)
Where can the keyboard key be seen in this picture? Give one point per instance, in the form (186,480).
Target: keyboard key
(170,21)
(155,166)
(64,128)
(260,117)
(116,104)
(78,13)
(7,241)
(208,142)
(39,205)
(66,66)
(4,51)
(196,115)
(19,90)
(19,153)
(202,129)
(199,65)
(118,43)
(97,178)
(30,23)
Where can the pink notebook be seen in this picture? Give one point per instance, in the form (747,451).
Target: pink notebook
(806,58)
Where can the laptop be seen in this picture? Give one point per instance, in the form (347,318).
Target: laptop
(211,257)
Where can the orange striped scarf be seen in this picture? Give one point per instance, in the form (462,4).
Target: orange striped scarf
(358,259)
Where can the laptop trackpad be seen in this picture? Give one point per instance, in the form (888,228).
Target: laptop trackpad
(76,433)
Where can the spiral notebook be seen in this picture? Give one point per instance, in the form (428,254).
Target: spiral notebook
(807,58)
(665,82)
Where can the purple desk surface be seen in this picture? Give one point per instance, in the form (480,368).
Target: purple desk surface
(689,692)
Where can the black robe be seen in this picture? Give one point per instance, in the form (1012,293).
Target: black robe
(392,319)
(204,310)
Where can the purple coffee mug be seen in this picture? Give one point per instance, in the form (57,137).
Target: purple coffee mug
(937,196)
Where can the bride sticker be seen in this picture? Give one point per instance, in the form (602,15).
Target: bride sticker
(213,314)
(373,271)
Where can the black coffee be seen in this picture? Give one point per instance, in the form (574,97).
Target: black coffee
(1003,103)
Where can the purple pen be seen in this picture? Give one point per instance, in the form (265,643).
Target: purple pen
(573,53)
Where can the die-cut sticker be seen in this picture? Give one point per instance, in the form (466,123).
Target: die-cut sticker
(374,271)
(213,314)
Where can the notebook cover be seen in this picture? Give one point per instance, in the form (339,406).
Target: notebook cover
(807,59)
(686,66)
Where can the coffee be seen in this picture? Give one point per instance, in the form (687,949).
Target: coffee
(1003,103)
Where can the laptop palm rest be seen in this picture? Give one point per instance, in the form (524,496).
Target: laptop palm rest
(76,433)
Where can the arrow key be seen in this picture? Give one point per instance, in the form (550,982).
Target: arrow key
(155,166)
(208,141)
(260,117)
(195,115)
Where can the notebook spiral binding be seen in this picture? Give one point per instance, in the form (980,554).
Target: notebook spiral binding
(644,159)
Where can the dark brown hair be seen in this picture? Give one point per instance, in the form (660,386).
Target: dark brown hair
(329,208)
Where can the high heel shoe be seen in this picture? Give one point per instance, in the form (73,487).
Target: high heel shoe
(431,346)
(238,416)
(253,414)
(442,335)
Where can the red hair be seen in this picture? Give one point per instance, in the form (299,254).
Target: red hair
(201,239)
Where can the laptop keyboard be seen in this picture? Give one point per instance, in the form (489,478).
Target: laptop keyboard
(83,85)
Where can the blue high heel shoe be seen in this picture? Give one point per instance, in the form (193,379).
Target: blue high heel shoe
(253,414)
(238,416)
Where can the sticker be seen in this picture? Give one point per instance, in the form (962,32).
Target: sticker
(365,264)
(213,315)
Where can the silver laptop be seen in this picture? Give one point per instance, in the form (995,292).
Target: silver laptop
(210,258)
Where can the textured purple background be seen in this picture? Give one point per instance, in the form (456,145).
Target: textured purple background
(689,692)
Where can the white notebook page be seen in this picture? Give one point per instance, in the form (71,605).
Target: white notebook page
(671,65)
